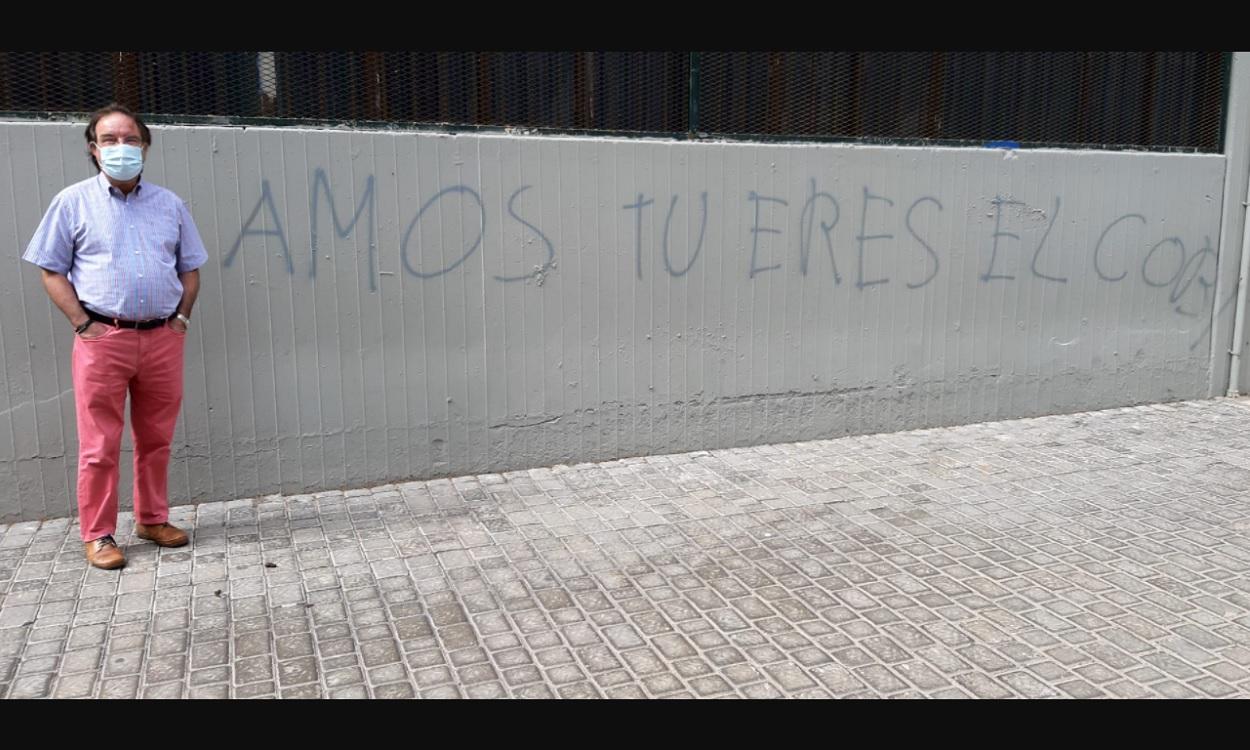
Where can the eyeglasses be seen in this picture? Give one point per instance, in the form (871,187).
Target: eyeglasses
(112,140)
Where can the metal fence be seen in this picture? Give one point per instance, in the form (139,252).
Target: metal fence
(1162,100)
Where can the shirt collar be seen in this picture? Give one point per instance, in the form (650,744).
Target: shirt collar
(108,186)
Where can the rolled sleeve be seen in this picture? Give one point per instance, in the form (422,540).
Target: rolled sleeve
(52,247)
(191,252)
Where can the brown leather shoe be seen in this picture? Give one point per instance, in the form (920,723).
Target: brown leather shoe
(104,553)
(163,534)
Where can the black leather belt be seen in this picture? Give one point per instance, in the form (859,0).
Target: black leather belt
(141,325)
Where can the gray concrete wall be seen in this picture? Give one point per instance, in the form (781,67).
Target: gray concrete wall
(388,305)
(1237,175)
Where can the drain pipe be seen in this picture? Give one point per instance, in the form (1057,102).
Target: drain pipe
(1239,323)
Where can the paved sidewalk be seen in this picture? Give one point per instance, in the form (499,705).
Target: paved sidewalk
(1087,555)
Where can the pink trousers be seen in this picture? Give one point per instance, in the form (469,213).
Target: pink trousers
(148,365)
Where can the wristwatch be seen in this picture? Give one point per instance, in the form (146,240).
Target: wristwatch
(185,320)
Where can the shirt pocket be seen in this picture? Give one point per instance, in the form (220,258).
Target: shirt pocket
(159,239)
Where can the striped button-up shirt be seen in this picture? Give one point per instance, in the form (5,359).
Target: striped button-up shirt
(122,253)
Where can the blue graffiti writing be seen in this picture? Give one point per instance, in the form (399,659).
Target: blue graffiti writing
(551,249)
(266,200)
(807,222)
(928,248)
(757,230)
(862,238)
(477,241)
(1036,253)
(1098,247)
(697,248)
(321,183)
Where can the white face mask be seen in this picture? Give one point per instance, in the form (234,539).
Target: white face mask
(121,162)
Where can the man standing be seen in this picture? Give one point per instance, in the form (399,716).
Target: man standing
(120,259)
